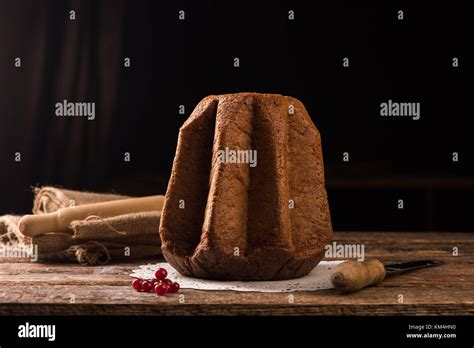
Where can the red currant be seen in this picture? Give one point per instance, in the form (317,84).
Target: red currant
(174,287)
(161,273)
(147,286)
(167,281)
(167,287)
(161,289)
(137,284)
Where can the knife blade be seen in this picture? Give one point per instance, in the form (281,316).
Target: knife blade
(350,276)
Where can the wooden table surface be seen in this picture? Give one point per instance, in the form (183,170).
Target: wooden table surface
(67,289)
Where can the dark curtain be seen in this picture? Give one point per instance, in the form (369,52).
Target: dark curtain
(79,60)
(176,63)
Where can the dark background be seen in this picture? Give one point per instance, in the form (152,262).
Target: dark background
(177,62)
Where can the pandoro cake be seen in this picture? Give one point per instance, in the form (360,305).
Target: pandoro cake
(246,199)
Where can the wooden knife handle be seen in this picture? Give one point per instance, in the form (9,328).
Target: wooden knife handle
(350,276)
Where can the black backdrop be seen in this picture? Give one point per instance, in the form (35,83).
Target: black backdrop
(177,62)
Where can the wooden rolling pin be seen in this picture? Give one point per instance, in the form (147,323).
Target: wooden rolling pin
(59,221)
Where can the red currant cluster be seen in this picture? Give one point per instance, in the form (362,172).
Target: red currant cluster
(160,285)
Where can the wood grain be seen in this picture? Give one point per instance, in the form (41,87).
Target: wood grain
(69,289)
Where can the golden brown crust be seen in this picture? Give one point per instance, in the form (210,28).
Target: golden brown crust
(236,222)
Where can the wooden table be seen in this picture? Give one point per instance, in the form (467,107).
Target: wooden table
(60,289)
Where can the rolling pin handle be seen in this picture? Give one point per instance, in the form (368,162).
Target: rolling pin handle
(33,225)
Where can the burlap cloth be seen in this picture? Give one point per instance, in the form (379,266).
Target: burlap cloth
(49,199)
(9,231)
(91,241)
